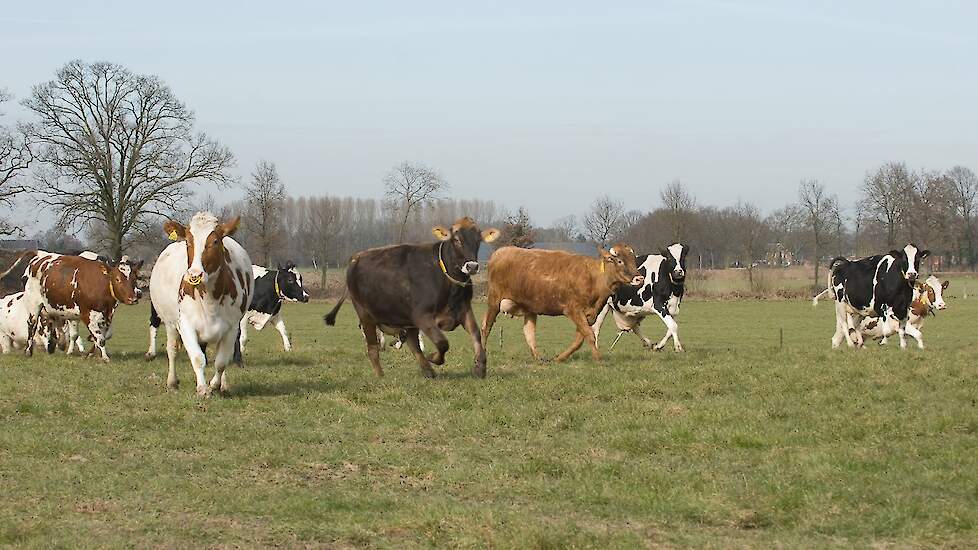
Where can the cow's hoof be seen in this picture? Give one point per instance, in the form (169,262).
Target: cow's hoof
(203,391)
(479,371)
(173,384)
(428,372)
(149,356)
(28,353)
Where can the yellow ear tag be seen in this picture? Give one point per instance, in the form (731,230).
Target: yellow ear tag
(173,235)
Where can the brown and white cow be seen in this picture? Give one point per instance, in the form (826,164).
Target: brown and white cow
(72,288)
(201,287)
(928,298)
(529,282)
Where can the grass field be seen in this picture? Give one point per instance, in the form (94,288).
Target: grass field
(737,442)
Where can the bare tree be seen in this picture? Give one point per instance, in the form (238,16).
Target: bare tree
(409,187)
(604,221)
(680,204)
(117,148)
(886,198)
(963,190)
(265,202)
(566,228)
(518,230)
(751,234)
(15,157)
(820,216)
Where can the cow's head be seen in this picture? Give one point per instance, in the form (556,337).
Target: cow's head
(909,260)
(205,244)
(676,261)
(288,283)
(619,266)
(463,240)
(934,289)
(124,278)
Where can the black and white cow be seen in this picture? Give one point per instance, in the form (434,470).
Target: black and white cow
(877,286)
(272,287)
(661,294)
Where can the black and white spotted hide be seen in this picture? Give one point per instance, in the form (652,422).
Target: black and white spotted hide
(272,287)
(877,286)
(661,294)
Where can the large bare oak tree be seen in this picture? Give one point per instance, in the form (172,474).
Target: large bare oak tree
(265,200)
(117,148)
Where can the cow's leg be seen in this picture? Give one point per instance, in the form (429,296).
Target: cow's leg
(599,320)
(471,325)
(243,338)
(437,338)
(33,318)
(840,333)
(223,356)
(584,333)
(373,345)
(172,339)
(74,338)
(914,331)
(491,313)
(411,341)
(198,359)
(98,325)
(530,333)
(280,327)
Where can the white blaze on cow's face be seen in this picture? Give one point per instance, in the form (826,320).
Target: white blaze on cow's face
(205,244)
(914,256)
(676,251)
(937,292)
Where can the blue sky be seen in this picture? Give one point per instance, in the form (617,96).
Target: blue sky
(545,104)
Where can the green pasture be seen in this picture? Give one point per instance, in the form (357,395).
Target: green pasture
(759,435)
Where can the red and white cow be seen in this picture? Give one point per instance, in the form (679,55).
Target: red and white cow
(72,288)
(201,287)
(928,298)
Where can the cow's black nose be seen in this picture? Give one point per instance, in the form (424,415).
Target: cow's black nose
(305,298)
(470,268)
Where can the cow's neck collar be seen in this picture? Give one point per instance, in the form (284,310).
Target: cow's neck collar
(278,289)
(444,269)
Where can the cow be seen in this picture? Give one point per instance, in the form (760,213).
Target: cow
(14,323)
(928,298)
(661,294)
(272,287)
(877,286)
(71,288)
(531,282)
(418,288)
(201,287)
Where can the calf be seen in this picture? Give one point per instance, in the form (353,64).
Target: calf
(418,288)
(71,288)
(877,286)
(529,282)
(928,298)
(201,287)
(14,323)
(272,287)
(661,294)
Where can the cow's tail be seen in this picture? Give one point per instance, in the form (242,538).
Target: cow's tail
(819,295)
(330,318)
(22,259)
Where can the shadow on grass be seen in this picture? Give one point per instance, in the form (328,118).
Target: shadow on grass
(273,389)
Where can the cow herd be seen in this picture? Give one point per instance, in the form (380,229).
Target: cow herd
(205,292)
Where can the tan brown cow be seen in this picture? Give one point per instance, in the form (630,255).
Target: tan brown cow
(71,288)
(527,282)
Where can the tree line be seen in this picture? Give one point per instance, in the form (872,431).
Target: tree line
(112,152)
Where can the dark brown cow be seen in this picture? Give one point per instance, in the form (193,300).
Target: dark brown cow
(528,283)
(70,288)
(426,287)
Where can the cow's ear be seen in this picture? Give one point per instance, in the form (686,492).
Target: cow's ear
(230,226)
(924,254)
(175,230)
(605,255)
(441,232)
(289,265)
(490,235)
(945,284)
